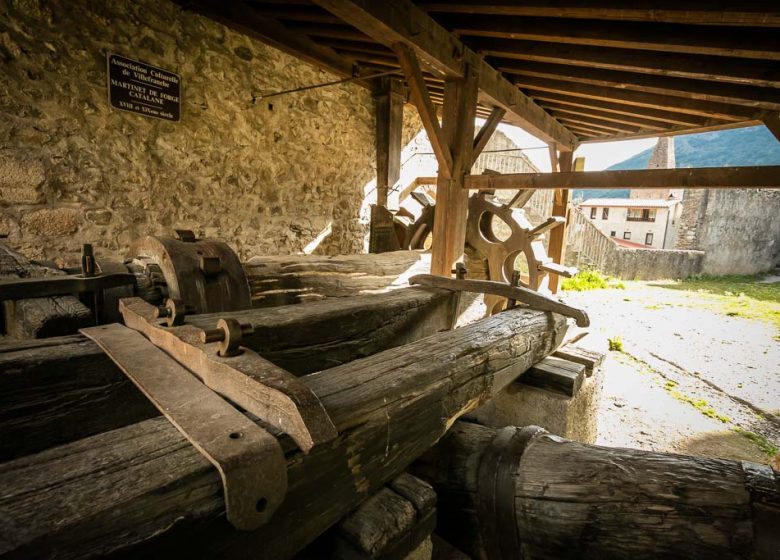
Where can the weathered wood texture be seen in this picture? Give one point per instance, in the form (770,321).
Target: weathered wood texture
(37,317)
(122,487)
(555,374)
(281,280)
(57,390)
(766,176)
(572,500)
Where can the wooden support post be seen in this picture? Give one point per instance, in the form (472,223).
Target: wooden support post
(557,245)
(449,226)
(486,132)
(772,122)
(389,126)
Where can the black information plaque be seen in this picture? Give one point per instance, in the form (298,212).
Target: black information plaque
(143,89)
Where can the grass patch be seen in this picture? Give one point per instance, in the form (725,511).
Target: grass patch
(733,296)
(761,442)
(615,344)
(591,280)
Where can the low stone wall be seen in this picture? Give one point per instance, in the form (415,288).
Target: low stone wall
(588,247)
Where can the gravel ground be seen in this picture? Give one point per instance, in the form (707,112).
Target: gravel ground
(688,380)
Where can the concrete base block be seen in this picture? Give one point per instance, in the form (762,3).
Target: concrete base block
(573,418)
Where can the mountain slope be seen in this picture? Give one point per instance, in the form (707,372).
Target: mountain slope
(740,146)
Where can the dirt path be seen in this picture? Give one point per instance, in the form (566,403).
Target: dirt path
(689,380)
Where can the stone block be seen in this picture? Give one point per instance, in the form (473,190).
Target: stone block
(21,179)
(574,418)
(52,221)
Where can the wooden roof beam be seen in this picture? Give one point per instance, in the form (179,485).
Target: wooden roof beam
(637,122)
(400,21)
(721,41)
(757,13)
(764,98)
(667,116)
(767,176)
(699,107)
(716,68)
(596,123)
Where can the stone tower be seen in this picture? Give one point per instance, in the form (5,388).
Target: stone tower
(661,158)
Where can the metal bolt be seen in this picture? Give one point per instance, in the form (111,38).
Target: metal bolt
(459,271)
(174,312)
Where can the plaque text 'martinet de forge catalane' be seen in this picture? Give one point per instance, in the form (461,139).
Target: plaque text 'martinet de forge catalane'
(140,88)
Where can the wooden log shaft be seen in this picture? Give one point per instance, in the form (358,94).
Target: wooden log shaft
(389,408)
(571,500)
(767,176)
(57,390)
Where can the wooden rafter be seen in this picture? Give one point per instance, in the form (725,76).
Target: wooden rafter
(766,98)
(772,122)
(635,121)
(731,41)
(394,21)
(756,13)
(767,176)
(716,68)
(419,95)
(699,107)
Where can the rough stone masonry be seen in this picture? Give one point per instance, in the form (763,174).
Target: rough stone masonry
(264,175)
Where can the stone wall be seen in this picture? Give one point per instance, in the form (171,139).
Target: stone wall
(588,247)
(738,229)
(264,175)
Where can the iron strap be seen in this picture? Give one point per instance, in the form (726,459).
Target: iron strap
(498,528)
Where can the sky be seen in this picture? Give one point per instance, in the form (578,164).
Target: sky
(598,156)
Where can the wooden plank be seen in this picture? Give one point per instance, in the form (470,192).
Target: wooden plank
(395,21)
(636,122)
(486,132)
(739,42)
(766,176)
(715,91)
(557,375)
(449,225)
(713,68)
(61,389)
(760,13)
(419,95)
(630,503)
(595,123)
(588,358)
(709,109)
(142,479)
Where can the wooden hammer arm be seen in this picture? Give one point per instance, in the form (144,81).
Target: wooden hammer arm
(531,298)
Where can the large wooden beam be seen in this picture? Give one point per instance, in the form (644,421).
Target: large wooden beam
(419,94)
(766,176)
(717,41)
(60,389)
(486,132)
(560,163)
(763,97)
(713,68)
(636,122)
(772,122)
(105,493)
(523,493)
(394,21)
(389,129)
(710,109)
(756,13)
(449,225)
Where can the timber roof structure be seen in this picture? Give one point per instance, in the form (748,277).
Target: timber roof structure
(567,71)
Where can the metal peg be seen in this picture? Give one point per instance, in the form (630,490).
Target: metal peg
(228,333)
(459,271)
(174,311)
(87,261)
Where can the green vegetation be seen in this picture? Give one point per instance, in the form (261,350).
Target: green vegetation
(761,442)
(591,280)
(734,296)
(615,344)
